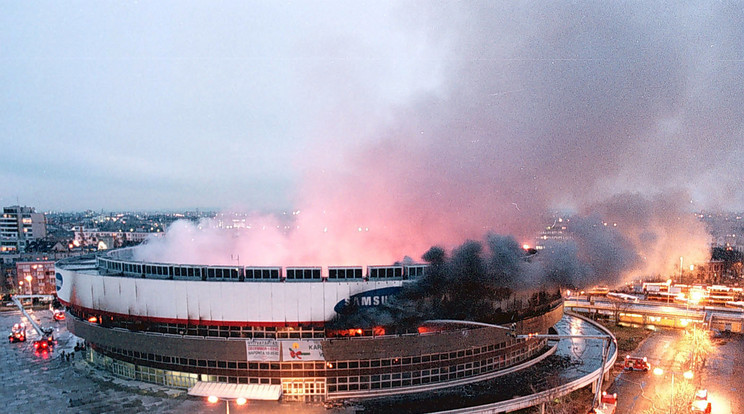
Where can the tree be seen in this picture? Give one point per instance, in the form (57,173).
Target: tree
(556,402)
(700,346)
(732,260)
(618,307)
(676,401)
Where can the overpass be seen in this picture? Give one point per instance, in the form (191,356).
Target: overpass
(661,314)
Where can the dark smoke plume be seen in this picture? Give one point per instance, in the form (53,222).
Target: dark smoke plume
(489,284)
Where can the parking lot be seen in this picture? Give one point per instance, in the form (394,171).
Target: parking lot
(47,383)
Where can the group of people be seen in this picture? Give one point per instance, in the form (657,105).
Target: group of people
(68,356)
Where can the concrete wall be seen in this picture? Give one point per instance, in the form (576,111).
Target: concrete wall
(176,346)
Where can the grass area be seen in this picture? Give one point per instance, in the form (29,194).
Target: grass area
(628,338)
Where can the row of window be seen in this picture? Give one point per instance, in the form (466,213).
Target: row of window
(334,383)
(329,368)
(238,273)
(169,378)
(426,376)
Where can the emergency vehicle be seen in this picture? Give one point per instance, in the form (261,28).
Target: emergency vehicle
(17,333)
(636,364)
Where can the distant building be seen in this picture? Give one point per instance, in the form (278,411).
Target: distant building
(46,246)
(104,240)
(19,225)
(36,278)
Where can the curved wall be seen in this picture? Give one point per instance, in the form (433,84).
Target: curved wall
(207,302)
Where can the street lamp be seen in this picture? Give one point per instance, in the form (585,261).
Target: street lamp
(686,375)
(214,399)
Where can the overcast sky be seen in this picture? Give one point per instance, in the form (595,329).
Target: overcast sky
(480,114)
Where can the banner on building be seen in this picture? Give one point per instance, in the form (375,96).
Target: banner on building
(262,350)
(302,351)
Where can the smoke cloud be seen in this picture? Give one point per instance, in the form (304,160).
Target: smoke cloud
(627,115)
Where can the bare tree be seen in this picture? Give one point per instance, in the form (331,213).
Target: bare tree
(618,307)
(557,403)
(675,401)
(700,346)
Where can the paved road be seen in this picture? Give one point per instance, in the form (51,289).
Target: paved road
(722,376)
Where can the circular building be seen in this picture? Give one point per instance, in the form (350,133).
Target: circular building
(265,327)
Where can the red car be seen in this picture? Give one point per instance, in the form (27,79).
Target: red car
(636,364)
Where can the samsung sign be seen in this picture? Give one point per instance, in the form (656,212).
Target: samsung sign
(59,281)
(366,299)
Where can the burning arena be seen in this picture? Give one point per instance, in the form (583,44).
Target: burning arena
(269,329)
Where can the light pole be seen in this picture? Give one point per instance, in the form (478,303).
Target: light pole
(669,290)
(239,401)
(687,375)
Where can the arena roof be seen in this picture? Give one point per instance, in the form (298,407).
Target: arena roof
(227,391)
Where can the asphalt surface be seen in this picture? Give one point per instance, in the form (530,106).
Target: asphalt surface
(47,383)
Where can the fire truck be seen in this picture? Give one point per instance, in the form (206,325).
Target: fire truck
(607,404)
(636,364)
(17,333)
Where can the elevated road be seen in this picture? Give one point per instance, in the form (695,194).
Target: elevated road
(661,313)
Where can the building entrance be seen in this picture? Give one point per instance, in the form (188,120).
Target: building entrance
(304,389)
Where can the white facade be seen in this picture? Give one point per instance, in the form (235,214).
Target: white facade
(180,301)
